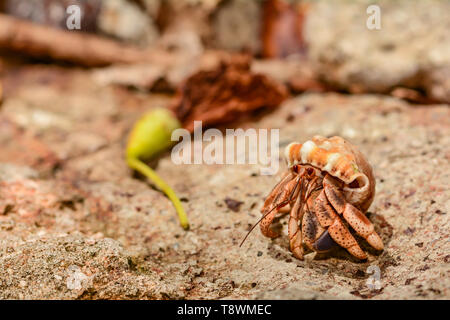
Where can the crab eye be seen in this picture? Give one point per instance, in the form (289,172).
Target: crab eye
(295,168)
(310,171)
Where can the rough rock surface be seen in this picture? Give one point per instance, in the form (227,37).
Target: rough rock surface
(76,223)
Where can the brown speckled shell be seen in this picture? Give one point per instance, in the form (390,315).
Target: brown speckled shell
(340,159)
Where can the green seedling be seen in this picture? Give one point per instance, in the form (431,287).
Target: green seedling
(150,136)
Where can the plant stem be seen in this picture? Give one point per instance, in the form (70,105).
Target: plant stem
(141,167)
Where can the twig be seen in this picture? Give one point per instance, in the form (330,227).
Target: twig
(42,41)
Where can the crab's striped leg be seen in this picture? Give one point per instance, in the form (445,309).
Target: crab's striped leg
(311,228)
(355,218)
(339,232)
(294,231)
(271,198)
(327,217)
(282,195)
(362,226)
(296,215)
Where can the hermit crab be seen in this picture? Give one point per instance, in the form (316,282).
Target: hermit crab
(329,185)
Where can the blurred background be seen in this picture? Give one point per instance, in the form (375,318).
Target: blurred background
(75,76)
(328,44)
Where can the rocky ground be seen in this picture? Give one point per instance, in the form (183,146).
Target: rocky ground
(76,223)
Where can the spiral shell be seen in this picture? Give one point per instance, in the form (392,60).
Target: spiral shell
(340,159)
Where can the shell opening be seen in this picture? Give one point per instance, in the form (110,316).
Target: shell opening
(359,184)
(357,192)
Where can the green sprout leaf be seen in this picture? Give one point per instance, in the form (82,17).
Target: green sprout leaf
(151,135)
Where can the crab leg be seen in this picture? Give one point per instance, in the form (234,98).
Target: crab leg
(294,231)
(317,236)
(323,210)
(311,228)
(362,226)
(355,218)
(289,189)
(339,232)
(327,217)
(333,194)
(275,193)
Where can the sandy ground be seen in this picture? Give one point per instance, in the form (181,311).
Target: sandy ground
(76,223)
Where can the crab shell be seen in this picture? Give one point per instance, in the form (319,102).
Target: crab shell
(340,159)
